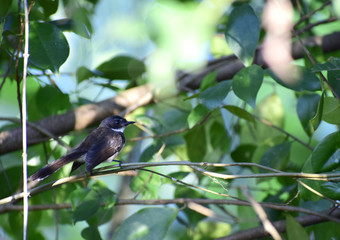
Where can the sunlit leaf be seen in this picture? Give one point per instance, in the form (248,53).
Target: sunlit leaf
(211,230)
(197,114)
(241,113)
(147,184)
(208,81)
(83,73)
(147,224)
(242,33)
(247,82)
(48,46)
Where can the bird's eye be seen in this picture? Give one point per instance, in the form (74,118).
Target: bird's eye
(117,121)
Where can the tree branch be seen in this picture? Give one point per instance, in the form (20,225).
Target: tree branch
(259,232)
(77,119)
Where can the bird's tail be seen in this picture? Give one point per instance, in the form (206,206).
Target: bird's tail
(54,166)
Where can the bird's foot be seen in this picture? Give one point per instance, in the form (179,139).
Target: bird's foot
(119,163)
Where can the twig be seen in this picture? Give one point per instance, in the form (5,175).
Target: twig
(24,124)
(283,131)
(310,26)
(305,17)
(323,215)
(268,226)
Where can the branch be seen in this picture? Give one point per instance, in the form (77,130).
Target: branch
(125,167)
(227,67)
(77,119)
(259,232)
(325,216)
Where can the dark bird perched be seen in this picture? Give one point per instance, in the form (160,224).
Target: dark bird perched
(103,144)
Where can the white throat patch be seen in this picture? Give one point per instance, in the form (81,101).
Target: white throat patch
(119,129)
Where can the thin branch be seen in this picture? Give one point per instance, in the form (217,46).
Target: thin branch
(283,131)
(259,232)
(307,16)
(326,215)
(310,26)
(24,124)
(311,176)
(268,226)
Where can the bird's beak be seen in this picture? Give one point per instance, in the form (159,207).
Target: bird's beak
(130,122)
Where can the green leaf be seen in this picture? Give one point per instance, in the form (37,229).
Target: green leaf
(105,194)
(276,156)
(50,6)
(242,33)
(208,81)
(331,110)
(307,106)
(247,82)
(295,230)
(196,144)
(85,204)
(50,101)
(243,153)
(84,73)
(147,184)
(121,67)
(90,233)
(219,138)
(316,120)
(211,230)
(147,224)
(48,46)
(308,81)
(331,190)
(241,113)
(5,6)
(197,114)
(332,65)
(77,27)
(333,78)
(213,96)
(322,153)
(150,151)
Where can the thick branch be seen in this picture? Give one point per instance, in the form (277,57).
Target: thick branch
(227,67)
(280,226)
(76,119)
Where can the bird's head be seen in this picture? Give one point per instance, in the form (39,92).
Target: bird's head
(116,123)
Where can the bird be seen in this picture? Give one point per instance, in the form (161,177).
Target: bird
(102,144)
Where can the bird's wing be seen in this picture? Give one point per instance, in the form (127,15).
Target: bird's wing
(110,144)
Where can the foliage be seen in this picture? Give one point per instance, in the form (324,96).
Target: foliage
(246,126)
